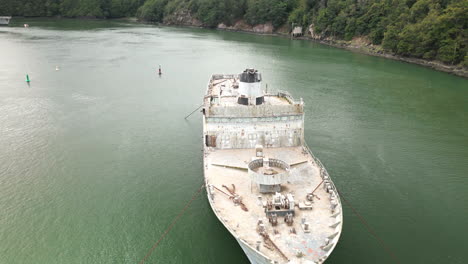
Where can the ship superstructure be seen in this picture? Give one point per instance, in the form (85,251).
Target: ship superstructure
(263,182)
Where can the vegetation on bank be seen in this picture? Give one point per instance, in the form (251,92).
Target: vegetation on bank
(428,29)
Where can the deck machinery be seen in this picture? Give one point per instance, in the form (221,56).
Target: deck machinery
(263,182)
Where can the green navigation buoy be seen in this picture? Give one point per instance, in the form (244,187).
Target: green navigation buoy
(27,78)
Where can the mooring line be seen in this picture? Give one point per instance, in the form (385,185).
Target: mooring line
(187,205)
(193,111)
(370,230)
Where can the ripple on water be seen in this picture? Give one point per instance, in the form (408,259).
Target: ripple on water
(81,98)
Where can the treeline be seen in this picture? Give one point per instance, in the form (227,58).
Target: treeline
(213,12)
(70,8)
(429,29)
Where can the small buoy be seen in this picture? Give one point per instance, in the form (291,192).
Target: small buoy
(57,68)
(27,78)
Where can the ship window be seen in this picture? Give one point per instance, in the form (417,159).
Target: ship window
(210,140)
(259,100)
(243,101)
(284,118)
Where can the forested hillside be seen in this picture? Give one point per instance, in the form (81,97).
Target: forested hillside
(428,29)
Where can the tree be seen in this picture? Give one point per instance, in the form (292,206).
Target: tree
(152,10)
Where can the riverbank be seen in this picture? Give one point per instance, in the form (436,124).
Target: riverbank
(369,49)
(359,44)
(374,50)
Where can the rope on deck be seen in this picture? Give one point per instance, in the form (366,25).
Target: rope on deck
(187,205)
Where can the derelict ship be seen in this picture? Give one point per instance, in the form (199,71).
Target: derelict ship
(263,182)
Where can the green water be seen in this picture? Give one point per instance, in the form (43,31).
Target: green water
(96,159)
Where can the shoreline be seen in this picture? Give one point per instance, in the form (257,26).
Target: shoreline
(435,65)
(361,49)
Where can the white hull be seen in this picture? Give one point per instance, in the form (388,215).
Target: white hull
(253,256)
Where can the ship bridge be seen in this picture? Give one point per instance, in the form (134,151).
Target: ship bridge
(239,112)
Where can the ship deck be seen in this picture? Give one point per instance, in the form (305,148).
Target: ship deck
(229,166)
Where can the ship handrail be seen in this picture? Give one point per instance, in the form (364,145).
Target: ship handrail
(323,170)
(323,173)
(284,94)
(223,76)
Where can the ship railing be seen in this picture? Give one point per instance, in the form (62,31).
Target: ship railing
(323,171)
(285,95)
(215,77)
(326,179)
(223,76)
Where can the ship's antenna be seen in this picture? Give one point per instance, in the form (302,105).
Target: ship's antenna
(187,205)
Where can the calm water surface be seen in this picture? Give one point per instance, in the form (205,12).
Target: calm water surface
(96,159)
